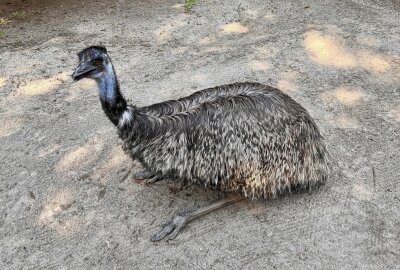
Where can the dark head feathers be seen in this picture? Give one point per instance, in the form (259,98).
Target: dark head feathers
(91,51)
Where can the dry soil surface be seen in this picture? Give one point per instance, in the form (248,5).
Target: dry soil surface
(63,201)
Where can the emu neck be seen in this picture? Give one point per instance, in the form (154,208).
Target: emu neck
(112,101)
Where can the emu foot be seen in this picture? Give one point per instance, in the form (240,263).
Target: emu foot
(145,177)
(142,175)
(171,229)
(151,180)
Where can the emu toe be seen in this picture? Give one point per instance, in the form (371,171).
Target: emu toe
(142,175)
(171,229)
(145,177)
(152,180)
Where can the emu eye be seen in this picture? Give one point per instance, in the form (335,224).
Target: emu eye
(97,62)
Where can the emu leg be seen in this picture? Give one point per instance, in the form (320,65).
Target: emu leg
(171,229)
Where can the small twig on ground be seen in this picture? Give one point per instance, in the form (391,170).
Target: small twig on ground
(126,175)
(373,176)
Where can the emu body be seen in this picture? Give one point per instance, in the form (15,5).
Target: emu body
(246,138)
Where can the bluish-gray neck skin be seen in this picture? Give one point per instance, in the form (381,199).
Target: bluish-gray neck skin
(112,101)
(107,83)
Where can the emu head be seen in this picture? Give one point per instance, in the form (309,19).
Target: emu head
(93,62)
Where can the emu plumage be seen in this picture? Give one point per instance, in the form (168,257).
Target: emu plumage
(246,138)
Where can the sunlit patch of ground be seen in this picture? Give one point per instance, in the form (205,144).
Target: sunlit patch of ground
(286,86)
(165,32)
(117,159)
(41,86)
(271,17)
(342,121)
(10,125)
(346,95)
(80,156)
(53,213)
(362,193)
(257,65)
(346,122)
(180,50)
(209,45)
(263,51)
(86,84)
(178,6)
(287,83)
(234,28)
(332,51)
(257,61)
(374,62)
(327,50)
(2,82)
(207,40)
(76,89)
(395,114)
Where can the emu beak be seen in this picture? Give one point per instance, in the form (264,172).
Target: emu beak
(81,71)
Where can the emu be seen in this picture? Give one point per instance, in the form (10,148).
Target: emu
(245,138)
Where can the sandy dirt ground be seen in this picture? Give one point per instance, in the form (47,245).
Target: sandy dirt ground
(63,201)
